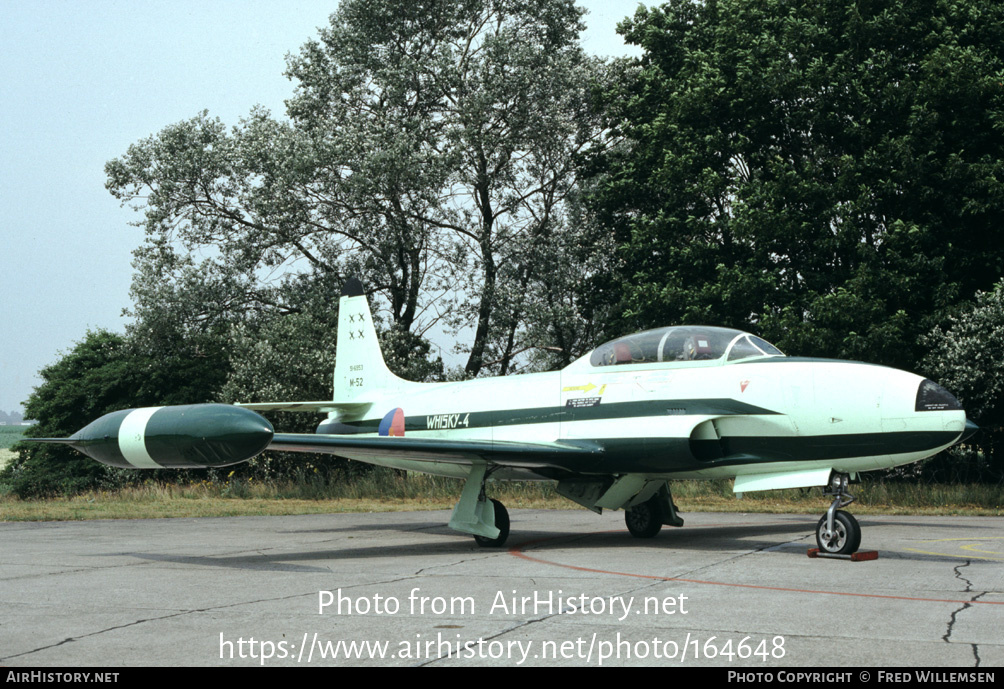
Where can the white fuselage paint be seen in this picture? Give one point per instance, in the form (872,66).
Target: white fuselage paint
(132,438)
(808,398)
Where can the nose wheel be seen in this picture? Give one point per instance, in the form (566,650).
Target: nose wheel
(843,538)
(838,532)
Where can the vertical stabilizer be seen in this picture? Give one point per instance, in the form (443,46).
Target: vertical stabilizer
(360,371)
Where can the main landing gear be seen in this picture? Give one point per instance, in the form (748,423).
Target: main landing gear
(645,519)
(501,523)
(838,532)
(486,520)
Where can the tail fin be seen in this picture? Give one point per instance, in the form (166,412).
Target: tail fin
(359,366)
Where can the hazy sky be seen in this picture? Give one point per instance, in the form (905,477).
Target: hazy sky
(79,83)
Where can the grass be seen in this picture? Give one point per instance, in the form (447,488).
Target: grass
(386,491)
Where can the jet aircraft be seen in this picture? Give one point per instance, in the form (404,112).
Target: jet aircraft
(612,429)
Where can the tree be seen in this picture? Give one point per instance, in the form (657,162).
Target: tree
(967,357)
(827,174)
(429,148)
(101,374)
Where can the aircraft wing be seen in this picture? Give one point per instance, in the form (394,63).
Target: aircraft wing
(373,449)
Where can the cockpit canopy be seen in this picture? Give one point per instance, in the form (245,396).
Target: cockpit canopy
(682,343)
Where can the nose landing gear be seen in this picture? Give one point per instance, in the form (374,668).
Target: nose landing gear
(838,532)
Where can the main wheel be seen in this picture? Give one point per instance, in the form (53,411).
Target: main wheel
(644,520)
(501,523)
(846,536)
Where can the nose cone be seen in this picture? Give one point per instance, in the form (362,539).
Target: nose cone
(970,429)
(933,402)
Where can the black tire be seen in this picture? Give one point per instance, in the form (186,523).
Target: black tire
(644,520)
(501,523)
(847,536)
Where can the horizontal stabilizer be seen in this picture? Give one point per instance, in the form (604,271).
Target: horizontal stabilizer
(316,407)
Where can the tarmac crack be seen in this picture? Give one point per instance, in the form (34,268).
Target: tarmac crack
(75,570)
(739,556)
(423,571)
(71,639)
(180,613)
(955,613)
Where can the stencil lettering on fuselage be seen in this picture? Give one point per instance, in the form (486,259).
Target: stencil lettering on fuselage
(447,421)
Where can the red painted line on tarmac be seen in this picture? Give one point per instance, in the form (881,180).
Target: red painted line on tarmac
(517,551)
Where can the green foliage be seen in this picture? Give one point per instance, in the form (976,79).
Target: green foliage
(103,373)
(407,355)
(282,358)
(967,357)
(827,174)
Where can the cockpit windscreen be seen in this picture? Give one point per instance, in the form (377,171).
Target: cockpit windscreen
(682,343)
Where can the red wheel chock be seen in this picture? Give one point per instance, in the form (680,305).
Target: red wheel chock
(859,556)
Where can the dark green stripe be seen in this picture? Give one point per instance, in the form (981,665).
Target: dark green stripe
(614,410)
(681,454)
(832,446)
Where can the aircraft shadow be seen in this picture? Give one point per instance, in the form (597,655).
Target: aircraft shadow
(294,561)
(706,538)
(434,539)
(451,543)
(436,523)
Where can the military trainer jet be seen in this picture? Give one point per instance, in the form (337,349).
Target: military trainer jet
(611,429)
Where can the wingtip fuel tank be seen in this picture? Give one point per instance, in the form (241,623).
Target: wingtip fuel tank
(179,437)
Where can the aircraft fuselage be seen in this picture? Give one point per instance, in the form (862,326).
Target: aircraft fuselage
(695,419)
